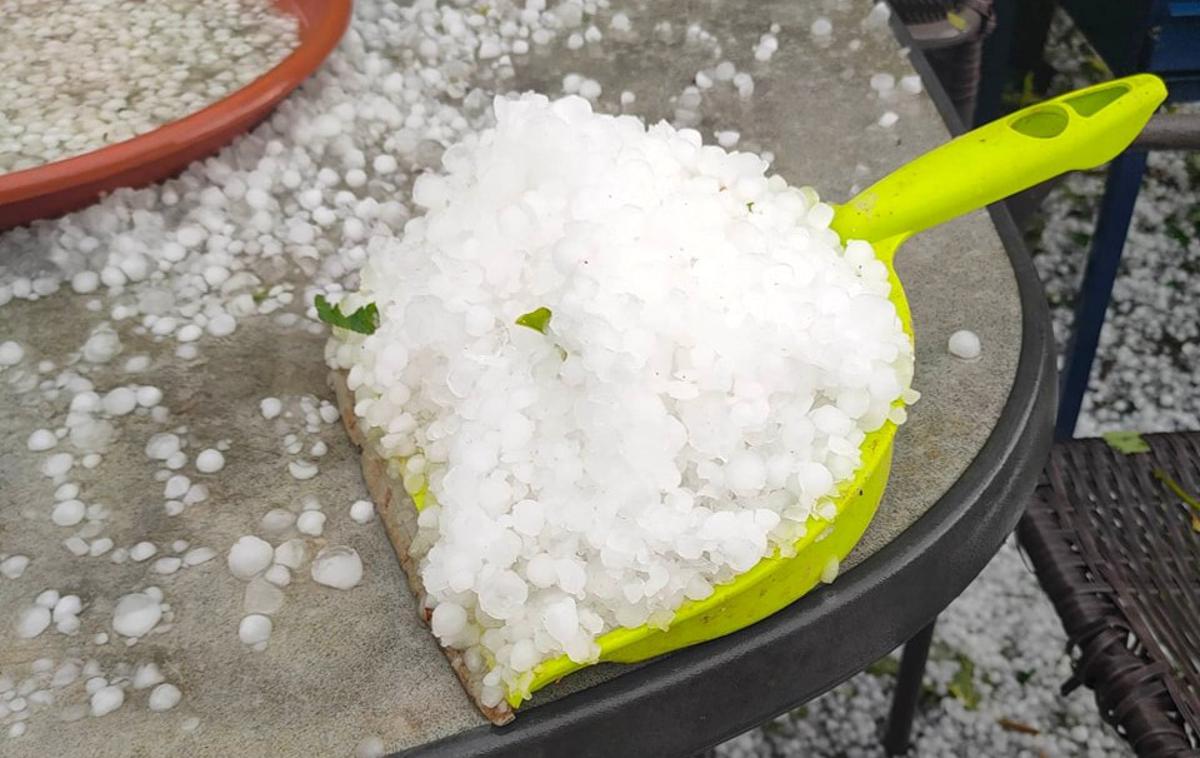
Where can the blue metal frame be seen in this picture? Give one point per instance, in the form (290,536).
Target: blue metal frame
(1162,36)
(1112,224)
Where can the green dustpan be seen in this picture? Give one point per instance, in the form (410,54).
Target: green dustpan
(1079,130)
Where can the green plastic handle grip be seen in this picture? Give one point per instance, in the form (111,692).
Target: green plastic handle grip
(1078,130)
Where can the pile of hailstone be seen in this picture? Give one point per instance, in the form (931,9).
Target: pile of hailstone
(712,360)
(76,76)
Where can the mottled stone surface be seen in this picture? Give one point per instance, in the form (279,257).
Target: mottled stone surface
(344,665)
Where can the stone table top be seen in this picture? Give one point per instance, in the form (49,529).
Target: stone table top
(344,665)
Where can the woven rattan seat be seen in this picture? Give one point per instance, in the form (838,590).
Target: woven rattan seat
(1114,549)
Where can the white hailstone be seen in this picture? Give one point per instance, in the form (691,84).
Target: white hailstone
(77,546)
(164,697)
(107,699)
(728,139)
(303,470)
(277,521)
(67,605)
(176,487)
(278,575)
(147,675)
(119,401)
(384,164)
(878,17)
(888,119)
(102,346)
(329,412)
(249,557)
(327,125)
(14,566)
(32,621)
(362,511)
(254,629)
(148,397)
(198,555)
(41,439)
(197,493)
(136,614)
(66,491)
(369,747)
(270,407)
(68,625)
(85,282)
(829,571)
(221,325)
(65,674)
(162,446)
(68,513)
(47,598)
(142,550)
(448,620)
(883,82)
(11,353)
(744,84)
(291,553)
(766,47)
(628,98)
(137,363)
(338,567)
(822,27)
(590,89)
(210,461)
(167,565)
(965,344)
(911,84)
(100,546)
(58,464)
(311,523)
(620,22)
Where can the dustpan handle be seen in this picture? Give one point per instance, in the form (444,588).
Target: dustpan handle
(1078,130)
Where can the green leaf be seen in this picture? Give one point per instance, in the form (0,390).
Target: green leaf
(1127,443)
(886,666)
(750,206)
(962,684)
(536,320)
(957,21)
(1178,489)
(1024,676)
(365,320)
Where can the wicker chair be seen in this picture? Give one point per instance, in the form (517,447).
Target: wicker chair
(1113,546)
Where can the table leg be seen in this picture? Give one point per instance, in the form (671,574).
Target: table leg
(1112,224)
(908,691)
